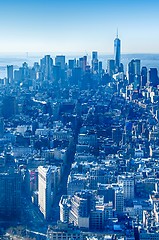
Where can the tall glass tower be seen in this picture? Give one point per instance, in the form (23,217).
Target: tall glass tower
(117,52)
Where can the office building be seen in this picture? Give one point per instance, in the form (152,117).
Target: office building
(119,201)
(153,77)
(60,61)
(94,55)
(65,204)
(94,62)
(111,67)
(56,73)
(100,67)
(79,212)
(46,65)
(97,218)
(76,76)
(44,188)
(117,53)
(130,72)
(134,76)
(137,66)
(143,76)
(128,186)
(71,63)
(82,63)
(10,73)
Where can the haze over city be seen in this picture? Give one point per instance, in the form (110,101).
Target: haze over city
(78,26)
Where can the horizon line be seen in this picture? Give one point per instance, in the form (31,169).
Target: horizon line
(74,53)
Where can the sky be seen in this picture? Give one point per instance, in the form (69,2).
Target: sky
(79,26)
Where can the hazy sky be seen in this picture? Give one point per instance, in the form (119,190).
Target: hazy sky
(79,25)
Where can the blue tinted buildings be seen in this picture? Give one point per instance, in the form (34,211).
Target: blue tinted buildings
(117,52)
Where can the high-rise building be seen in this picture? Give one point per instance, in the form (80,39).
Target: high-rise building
(71,63)
(143,76)
(10,197)
(25,70)
(130,72)
(117,53)
(137,80)
(82,63)
(111,67)
(100,67)
(137,67)
(94,62)
(134,73)
(128,186)
(46,64)
(56,73)
(10,73)
(44,188)
(94,55)
(64,205)
(60,61)
(79,212)
(119,201)
(97,218)
(153,77)
(76,76)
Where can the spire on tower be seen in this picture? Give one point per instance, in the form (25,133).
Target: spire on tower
(117,33)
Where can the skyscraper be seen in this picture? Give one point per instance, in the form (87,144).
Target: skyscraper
(94,61)
(76,76)
(46,64)
(10,73)
(60,61)
(134,76)
(100,67)
(44,187)
(110,67)
(143,76)
(117,52)
(137,66)
(153,77)
(71,63)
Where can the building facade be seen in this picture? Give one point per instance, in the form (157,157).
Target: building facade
(44,188)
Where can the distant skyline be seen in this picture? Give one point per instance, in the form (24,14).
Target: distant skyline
(79,25)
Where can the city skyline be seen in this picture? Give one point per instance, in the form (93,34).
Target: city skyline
(79,133)
(78,26)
